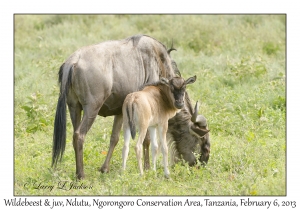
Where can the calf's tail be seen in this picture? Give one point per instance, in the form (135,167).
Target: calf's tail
(130,113)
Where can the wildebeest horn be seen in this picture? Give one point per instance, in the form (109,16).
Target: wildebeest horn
(195,114)
(200,119)
(171,49)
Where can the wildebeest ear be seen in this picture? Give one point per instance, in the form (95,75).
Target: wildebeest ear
(198,131)
(164,81)
(190,80)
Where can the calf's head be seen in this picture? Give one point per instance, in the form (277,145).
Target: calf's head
(177,86)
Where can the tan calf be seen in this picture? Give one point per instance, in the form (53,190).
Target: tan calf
(151,108)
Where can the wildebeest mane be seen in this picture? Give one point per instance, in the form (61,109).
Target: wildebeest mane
(161,57)
(136,38)
(175,68)
(157,83)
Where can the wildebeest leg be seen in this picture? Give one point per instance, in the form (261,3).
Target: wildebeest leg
(114,139)
(89,116)
(75,114)
(139,148)
(162,132)
(146,145)
(154,145)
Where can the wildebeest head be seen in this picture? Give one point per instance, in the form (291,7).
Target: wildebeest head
(189,132)
(177,86)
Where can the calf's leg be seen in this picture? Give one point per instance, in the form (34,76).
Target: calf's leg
(154,145)
(126,146)
(162,131)
(139,149)
(146,145)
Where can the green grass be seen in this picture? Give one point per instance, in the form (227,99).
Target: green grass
(240,63)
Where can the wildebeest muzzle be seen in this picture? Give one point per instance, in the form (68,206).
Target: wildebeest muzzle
(179,104)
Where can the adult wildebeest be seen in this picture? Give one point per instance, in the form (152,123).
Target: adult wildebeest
(96,79)
(150,109)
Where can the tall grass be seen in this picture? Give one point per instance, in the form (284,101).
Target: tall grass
(240,63)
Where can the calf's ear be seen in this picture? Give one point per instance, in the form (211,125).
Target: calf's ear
(164,81)
(190,80)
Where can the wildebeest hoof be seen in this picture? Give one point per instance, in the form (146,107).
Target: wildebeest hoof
(146,167)
(104,170)
(80,176)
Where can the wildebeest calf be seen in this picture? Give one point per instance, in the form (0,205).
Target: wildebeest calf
(151,108)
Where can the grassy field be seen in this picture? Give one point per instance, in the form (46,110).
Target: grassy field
(240,64)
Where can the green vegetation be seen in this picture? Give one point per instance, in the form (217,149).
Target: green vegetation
(240,64)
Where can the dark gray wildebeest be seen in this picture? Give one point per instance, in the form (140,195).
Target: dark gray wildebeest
(149,110)
(96,79)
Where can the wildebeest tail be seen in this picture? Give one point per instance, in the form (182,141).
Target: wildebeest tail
(130,111)
(59,134)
